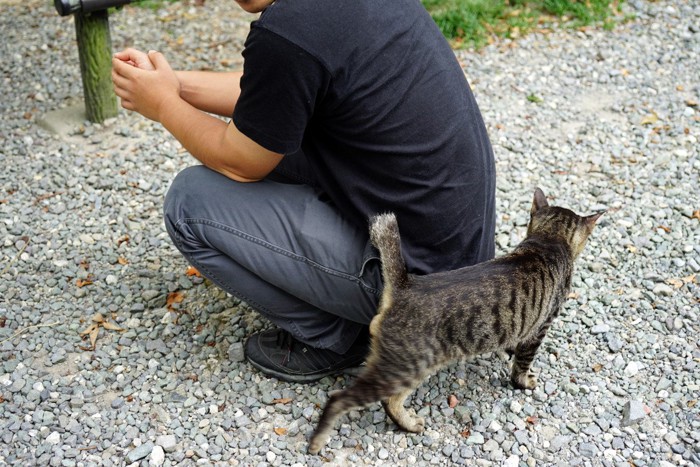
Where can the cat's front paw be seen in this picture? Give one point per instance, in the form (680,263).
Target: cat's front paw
(525,380)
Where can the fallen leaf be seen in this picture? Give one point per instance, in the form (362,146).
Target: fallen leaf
(122,239)
(83,282)
(676,283)
(650,119)
(696,215)
(452,401)
(111,326)
(466,433)
(93,331)
(280,431)
(692,403)
(284,400)
(531,420)
(173,298)
(597,367)
(664,228)
(93,336)
(192,271)
(691,103)
(123,261)
(573,295)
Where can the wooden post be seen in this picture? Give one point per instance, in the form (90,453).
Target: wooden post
(95,53)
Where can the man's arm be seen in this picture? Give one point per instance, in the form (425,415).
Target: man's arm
(156,94)
(211,91)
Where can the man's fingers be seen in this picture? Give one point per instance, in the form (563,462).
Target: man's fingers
(158,60)
(135,58)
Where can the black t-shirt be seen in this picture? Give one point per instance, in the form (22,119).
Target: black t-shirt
(374,97)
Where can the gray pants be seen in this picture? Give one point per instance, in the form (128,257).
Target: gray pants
(282,248)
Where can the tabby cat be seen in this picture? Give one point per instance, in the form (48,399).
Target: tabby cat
(425,322)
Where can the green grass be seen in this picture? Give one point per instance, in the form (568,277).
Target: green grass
(475,23)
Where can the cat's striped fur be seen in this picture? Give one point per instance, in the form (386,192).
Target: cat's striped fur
(425,322)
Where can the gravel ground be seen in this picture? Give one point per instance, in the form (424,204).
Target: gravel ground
(597,119)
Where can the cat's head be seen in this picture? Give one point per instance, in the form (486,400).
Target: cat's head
(562,223)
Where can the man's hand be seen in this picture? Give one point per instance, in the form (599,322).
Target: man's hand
(135,58)
(145,89)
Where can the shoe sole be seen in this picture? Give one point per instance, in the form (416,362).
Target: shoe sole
(310,378)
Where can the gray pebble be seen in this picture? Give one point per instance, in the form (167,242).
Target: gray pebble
(139,452)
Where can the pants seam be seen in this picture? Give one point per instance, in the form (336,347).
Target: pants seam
(277,249)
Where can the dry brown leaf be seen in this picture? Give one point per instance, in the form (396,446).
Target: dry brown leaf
(122,239)
(452,401)
(88,330)
(93,336)
(597,367)
(466,433)
(280,431)
(192,271)
(123,261)
(284,400)
(98,318)
(696,215)
(692,403)
(664,228)
(531,420)
(174,297)
(83,282)
(111,326)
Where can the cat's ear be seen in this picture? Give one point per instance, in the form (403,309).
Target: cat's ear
(539,201)
(593,218)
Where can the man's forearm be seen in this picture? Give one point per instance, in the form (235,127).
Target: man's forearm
(210,91)
(216,144)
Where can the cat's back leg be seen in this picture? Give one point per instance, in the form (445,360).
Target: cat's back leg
(397,412)
(368,388)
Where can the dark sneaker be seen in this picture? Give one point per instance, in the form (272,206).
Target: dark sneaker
(277,353)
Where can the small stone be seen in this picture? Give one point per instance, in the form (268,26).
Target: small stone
(614,344)
(521,437)
(587,449)
(515,407)
(157,456)
(475,438)
(117,403)
(631,369)
(663,290)
(383,454)
(167,442)
(632,412)
(139,452)
(558,442)
(270,456)
(495,427)
(512,461)
(53,438)
(235,352)
(17,385)
(490,445)
(600,329)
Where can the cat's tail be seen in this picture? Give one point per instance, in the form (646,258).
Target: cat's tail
(384,233)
